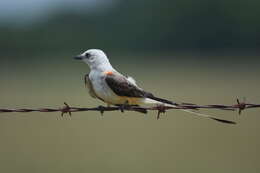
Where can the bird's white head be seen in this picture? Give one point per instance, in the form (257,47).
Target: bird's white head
(95,58)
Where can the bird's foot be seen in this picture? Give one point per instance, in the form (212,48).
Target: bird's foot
(122,107)
(101,109)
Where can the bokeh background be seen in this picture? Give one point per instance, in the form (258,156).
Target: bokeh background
(204,52)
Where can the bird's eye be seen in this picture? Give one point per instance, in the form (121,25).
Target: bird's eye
(87,55)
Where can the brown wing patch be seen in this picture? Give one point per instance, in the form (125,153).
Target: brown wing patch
(122,87)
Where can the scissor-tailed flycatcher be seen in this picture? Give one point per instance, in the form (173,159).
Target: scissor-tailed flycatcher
(108,85)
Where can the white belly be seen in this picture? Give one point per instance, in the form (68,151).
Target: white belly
(102,90)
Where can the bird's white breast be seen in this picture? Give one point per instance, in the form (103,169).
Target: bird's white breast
(101,88)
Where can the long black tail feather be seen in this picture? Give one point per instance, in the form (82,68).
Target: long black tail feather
(162,100)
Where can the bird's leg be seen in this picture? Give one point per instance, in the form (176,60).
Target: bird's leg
(101,109)
(123,106)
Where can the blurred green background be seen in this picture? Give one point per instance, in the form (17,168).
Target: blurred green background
(204,52)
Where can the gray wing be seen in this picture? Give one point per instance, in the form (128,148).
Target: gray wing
(88,85)
(122,87)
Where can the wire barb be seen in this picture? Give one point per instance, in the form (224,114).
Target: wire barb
(65,109)
(161,109)
(240,105)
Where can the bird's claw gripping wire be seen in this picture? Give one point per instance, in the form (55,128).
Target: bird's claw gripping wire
(122,107)
(101,109)
(65,109)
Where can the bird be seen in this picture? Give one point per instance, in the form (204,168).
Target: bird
(108,85)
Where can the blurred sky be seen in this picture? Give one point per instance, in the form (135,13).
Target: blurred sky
(29,10)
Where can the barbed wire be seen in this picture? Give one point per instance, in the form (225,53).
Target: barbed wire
(240,106)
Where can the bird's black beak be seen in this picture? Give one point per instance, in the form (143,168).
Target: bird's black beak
(79,57)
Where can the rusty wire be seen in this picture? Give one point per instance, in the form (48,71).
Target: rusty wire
(240,106)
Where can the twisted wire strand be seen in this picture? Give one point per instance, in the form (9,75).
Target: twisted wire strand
(240,106)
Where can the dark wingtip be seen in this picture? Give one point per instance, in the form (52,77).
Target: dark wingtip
(161,100)
(224,121)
